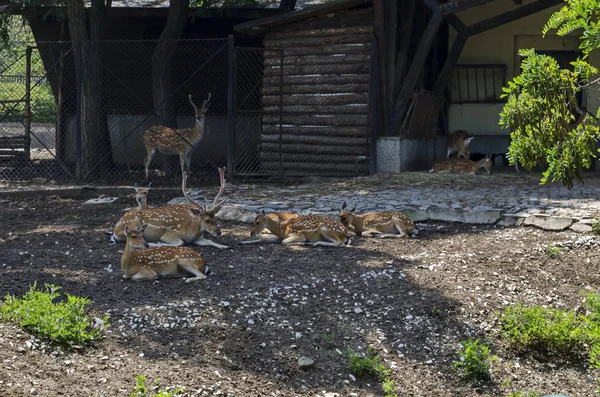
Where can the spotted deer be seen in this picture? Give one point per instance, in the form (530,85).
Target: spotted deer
(138,262)
(458,141)
(385,223)
(178,224)
(141,195)
(171,141)
(462,166)
(316,230)
(275,222)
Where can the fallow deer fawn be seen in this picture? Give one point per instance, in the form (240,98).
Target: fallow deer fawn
(141,195)
(141,263)
(458,141)
(181,141)
(462,166)
(275,222)
(178,224)
(316,230)
(386,223)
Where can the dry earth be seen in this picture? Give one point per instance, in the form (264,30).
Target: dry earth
(241,331)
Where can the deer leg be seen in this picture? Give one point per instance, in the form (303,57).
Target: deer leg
(146,274)
(262,240)
(334,240)
(400,228)
(168,239)
(192,268)
(294,239)
(205,241)
(188,160)
(149,156)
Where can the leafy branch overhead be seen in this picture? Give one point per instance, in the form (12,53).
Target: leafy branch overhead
(548,126)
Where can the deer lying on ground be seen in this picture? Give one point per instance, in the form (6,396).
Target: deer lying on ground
(385,223)
(171,141)
(141,263)
(178,224)
(462,166)
(141,195)
(458,141)
(275,222)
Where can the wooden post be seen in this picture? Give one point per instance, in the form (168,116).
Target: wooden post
(27,147)
(380,42)
(405,32)
(415,70)
(230,108)
(390,49)
(451,59)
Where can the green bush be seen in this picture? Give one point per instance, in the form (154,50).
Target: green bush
(368,364)
(64,322)
(43,106)
(550,331)
(475,361)
(141,390)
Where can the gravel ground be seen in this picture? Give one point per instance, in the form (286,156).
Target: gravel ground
(241,331)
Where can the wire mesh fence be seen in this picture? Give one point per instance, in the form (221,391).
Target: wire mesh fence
(66,117)
(302,112)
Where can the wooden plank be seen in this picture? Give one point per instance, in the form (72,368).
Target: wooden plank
(315,89)
(321,109)
(322,32)
(315,140)
(320,168)
(317,41)
(355,17)
(414,71)
(353,68)
(342,99)
(309,150)
(314,158)
(347,131)
(323,59)
(317,80)
(364,48)
(454,6)
(337,121)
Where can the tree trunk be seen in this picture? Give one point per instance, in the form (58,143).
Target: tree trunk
(162,88)
(95,140)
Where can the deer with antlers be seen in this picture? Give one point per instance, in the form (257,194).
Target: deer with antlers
(171,141)
(385,223)
(459,141)
(274,222)
(178,224)
(462,166)
(139,262)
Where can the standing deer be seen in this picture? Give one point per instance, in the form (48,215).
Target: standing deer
(275,222)
(462,166)
(171,141)
(141,195)
(458,141)
(177,224)
(139,262)
(386,223)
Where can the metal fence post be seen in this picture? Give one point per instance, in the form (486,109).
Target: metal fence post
(78,110)
(373,119)
(28,102)
(231,108)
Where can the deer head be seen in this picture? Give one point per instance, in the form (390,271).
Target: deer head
(208,215)
(135,237)
(141,195)
(199,113)
(346,215)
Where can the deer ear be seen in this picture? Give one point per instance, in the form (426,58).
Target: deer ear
(135,185)
(127,230)
(353,209)
(196,211)
(263,213)
(216,209)
(344,205)
(143,227)
(148,187)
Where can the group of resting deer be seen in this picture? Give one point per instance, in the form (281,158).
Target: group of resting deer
(155,237)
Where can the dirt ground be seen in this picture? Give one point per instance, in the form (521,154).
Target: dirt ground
(241,331)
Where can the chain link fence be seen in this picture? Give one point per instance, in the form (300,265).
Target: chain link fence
(66,118)
(301,114)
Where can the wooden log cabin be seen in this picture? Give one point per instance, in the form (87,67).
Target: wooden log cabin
(316,90)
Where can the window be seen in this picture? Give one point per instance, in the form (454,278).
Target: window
(477,83)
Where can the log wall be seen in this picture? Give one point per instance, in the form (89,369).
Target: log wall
(323,127)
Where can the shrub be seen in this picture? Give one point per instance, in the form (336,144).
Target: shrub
(553,250)
(551,331)
(63,322)
(475,361)
(369,365)
(141,390)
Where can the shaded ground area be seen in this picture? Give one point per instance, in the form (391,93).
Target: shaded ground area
(241,331)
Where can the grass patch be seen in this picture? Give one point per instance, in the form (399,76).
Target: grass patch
(525,394)
(142,390)
(369,364)
(596,226)
(553,250)
(475,362)
(63,322)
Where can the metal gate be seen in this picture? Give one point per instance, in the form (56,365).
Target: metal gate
(298,115)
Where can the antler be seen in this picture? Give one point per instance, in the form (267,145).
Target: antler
(204,108)
(187,195)
(205,104)
(216,201)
